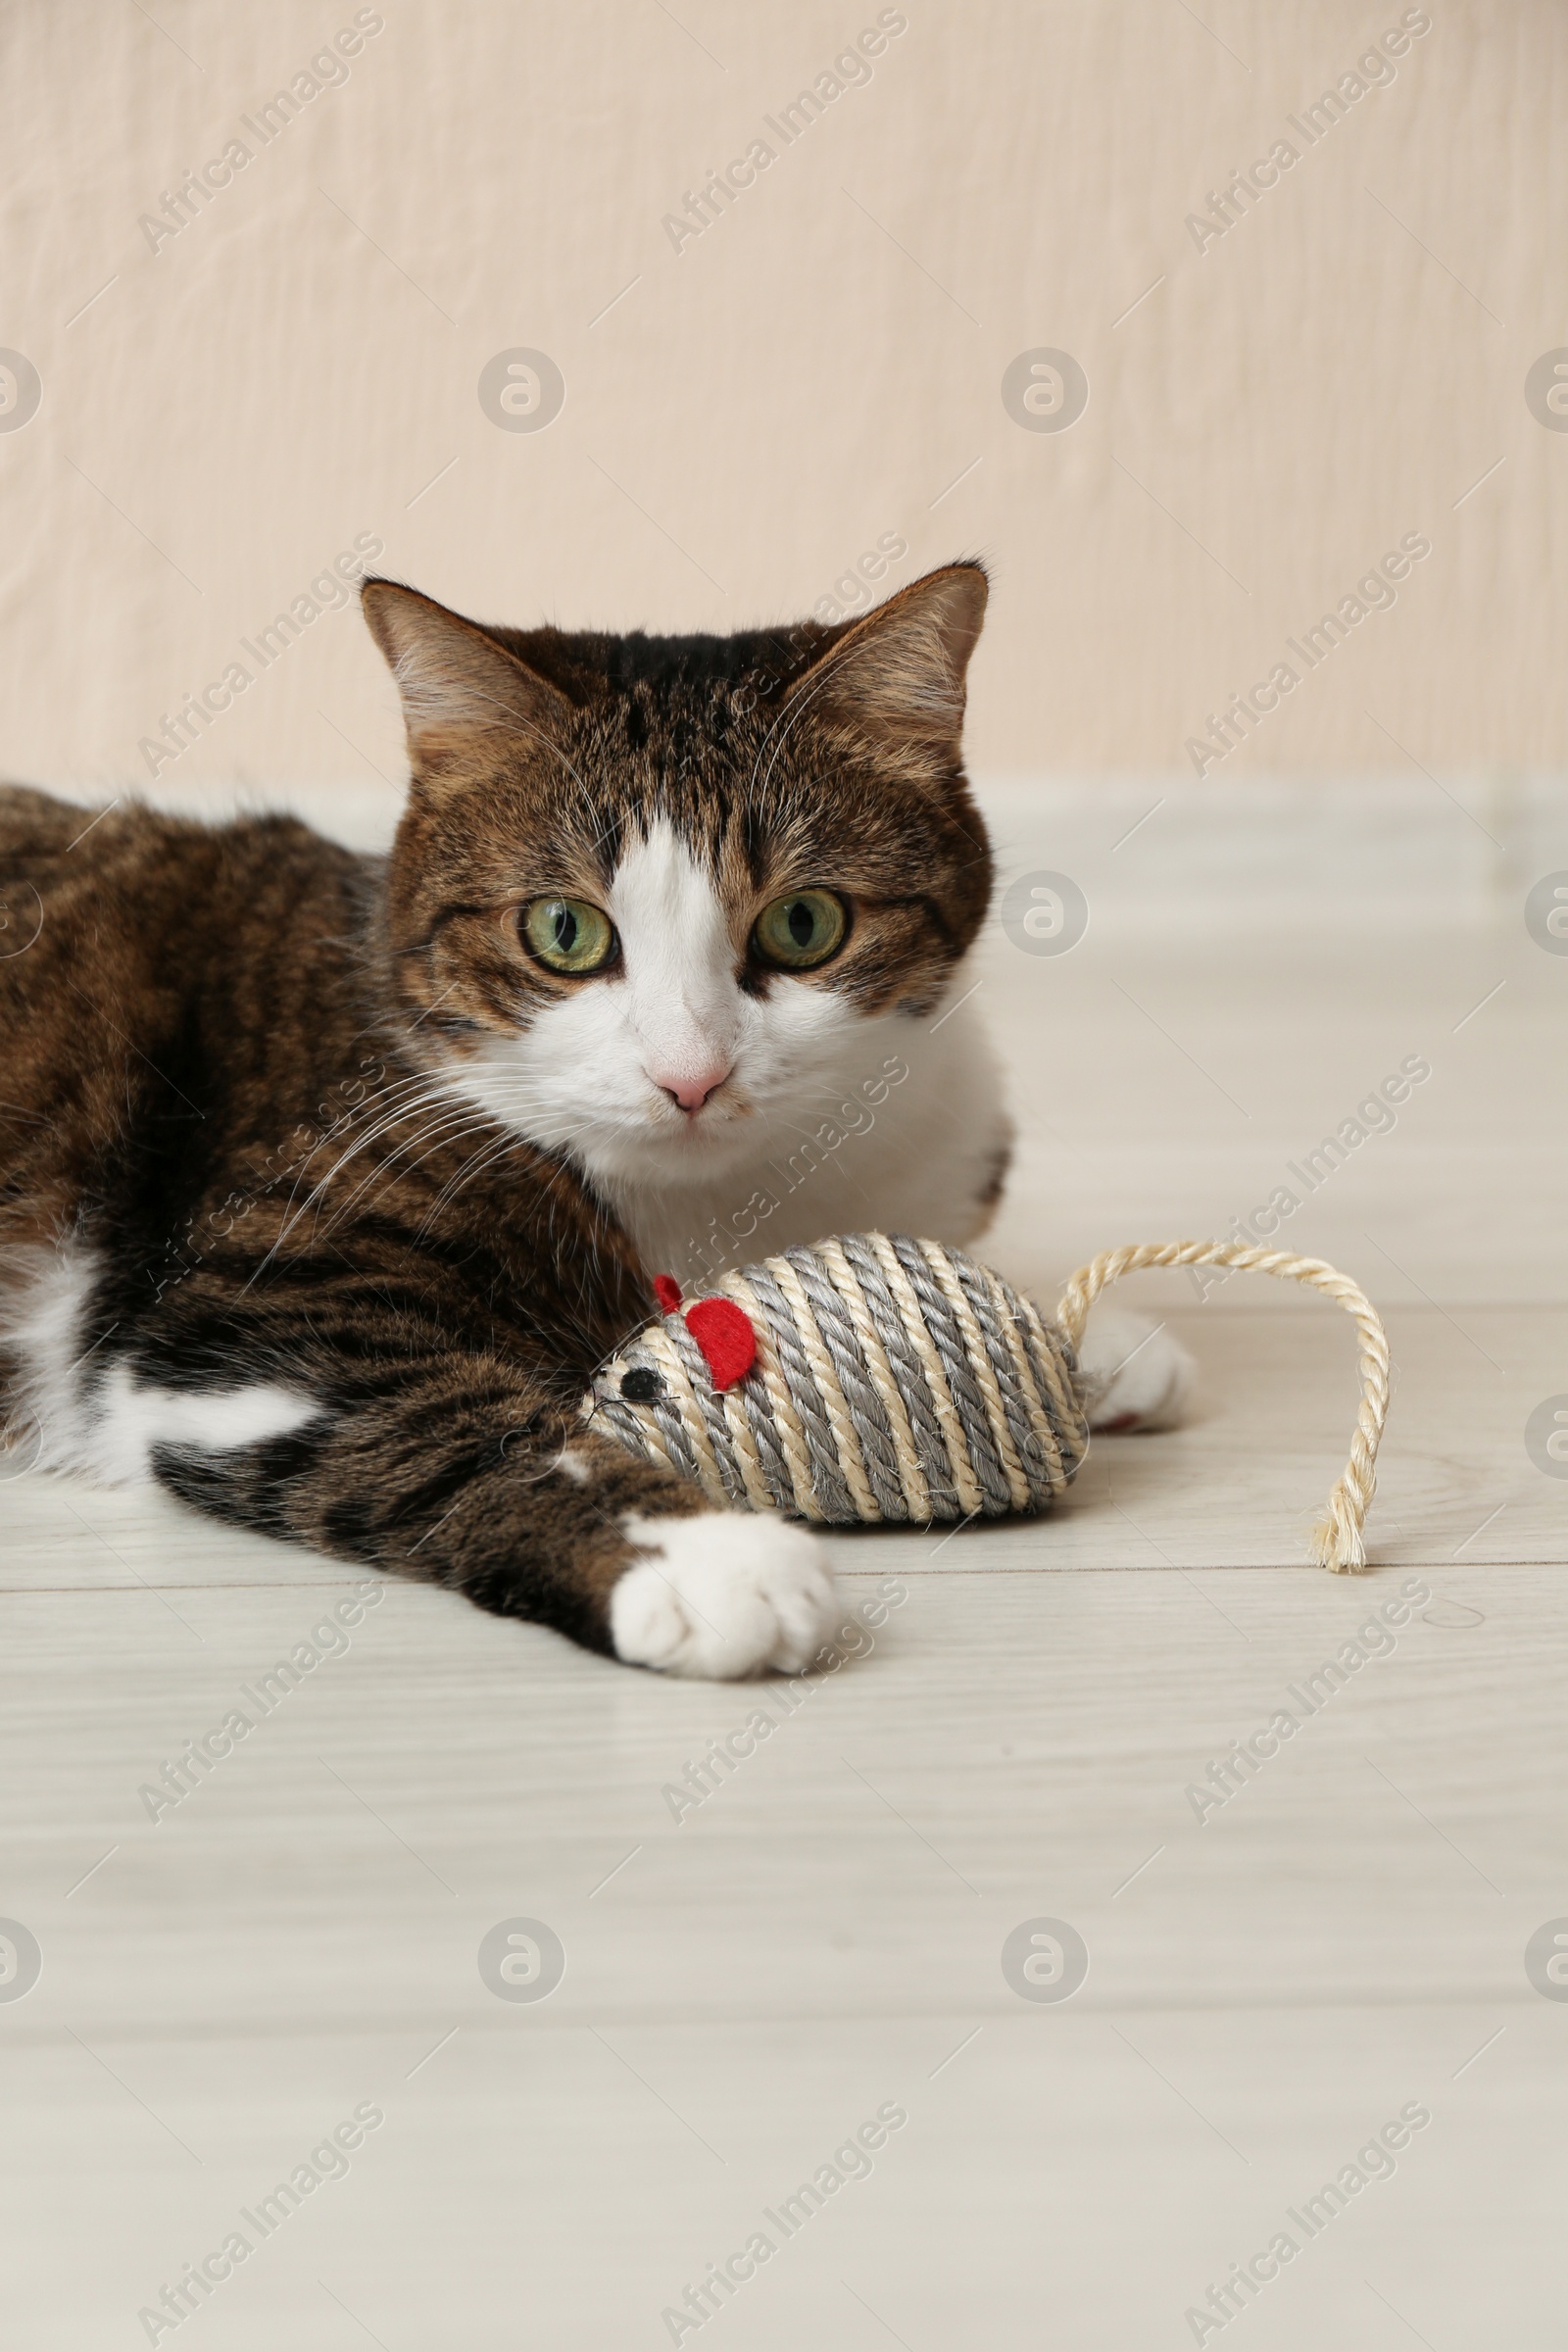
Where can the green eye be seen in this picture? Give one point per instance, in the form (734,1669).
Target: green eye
(802,930)
(567,934)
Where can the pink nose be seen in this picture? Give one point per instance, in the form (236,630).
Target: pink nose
(691,1090)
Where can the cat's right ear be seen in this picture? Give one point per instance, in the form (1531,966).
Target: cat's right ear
(460,691)
(898,671)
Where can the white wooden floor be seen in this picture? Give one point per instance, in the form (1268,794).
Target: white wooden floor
(819,1939)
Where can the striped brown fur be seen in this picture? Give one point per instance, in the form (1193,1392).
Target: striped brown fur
(222,1043)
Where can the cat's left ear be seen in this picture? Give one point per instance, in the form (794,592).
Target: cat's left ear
(898,672)
(457,683)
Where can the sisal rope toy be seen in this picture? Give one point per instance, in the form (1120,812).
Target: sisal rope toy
(878,1378)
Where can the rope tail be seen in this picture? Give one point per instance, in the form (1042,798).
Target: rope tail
(1337,1540)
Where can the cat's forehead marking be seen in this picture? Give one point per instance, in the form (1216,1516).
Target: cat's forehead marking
(680,976)
(664,902)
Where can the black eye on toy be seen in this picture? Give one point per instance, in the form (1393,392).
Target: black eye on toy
(641,1385)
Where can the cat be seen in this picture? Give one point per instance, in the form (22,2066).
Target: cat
(326,1181)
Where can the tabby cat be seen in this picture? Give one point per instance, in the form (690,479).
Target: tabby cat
(326,1180)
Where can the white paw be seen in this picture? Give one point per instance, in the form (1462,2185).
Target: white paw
(721,1595)
(1136,1374)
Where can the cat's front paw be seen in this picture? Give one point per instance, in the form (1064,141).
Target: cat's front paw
(722,1593)
(1137,1376)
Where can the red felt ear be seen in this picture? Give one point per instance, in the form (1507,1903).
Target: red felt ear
(725,1337)
(667,1290)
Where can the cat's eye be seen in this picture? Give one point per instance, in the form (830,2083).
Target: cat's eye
(799,930)
(567,934)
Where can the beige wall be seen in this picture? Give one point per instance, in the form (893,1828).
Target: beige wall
(811,373)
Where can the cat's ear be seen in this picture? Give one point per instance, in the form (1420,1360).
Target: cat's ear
(457,684)
(899,673)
